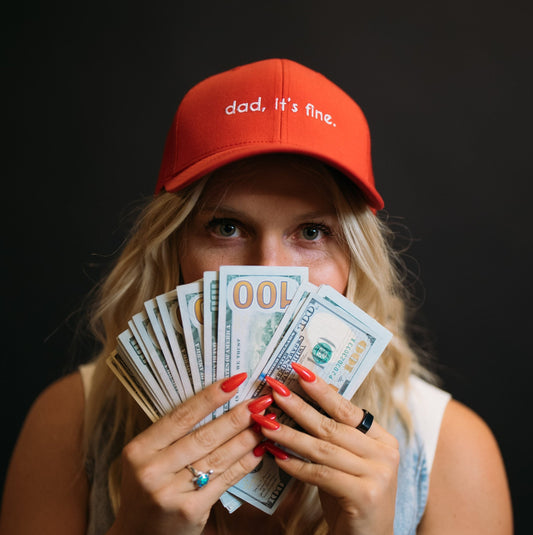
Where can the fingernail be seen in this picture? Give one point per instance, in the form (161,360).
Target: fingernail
(231,384)
(305,373)
(256,428)
(265,422)
(277,452)
(260,404)
(278,387)
(259,450)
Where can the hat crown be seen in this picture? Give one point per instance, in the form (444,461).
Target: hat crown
(273,105)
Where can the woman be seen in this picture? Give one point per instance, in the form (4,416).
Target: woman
(266,164)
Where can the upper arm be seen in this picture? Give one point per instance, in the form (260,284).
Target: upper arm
(46,487)
(468,490)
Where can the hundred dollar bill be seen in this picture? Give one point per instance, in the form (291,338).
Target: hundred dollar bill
(337,345)
(121,371)
(190,300)
(328,338)
(156,356)
(152,309)
(210,315)
(132,354)
(169,310)
(252,301)
(210,330)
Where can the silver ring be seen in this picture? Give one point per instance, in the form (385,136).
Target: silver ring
(200,479)
(366,422)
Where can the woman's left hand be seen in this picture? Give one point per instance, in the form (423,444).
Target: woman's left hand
(356,473)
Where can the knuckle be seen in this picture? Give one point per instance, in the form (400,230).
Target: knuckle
(394,457)
(371,494)
(184,416)
(215,460)
(344,411)
(320,472)
(234,418)
(205,437)
(131,452)
(328,428)
(325,449)
(231,474)
(238,470)
(394,443)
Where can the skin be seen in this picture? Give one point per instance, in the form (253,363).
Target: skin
(279,216)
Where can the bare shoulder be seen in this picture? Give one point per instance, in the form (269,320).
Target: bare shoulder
(468,490)
(46,468)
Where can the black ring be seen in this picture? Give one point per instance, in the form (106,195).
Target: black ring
(366,422)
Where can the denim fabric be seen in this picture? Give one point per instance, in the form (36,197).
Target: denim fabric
(413,482)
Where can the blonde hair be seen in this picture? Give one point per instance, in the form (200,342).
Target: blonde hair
(149,266)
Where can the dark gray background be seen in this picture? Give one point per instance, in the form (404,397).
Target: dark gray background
(89,95)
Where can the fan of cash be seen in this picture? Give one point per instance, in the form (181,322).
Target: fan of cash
(254,319)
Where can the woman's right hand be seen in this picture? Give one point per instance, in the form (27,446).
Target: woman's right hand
(158,495)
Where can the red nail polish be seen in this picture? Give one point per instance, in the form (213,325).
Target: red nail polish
(231,384)
(278,387)
(277,452)
(259,450)
(260,404)
(265,422)
(256,428)
(305,373)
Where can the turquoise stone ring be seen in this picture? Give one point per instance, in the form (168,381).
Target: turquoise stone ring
(200,479)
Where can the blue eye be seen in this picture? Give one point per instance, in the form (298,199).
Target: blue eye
(315,232)
(223,227)
(227,229)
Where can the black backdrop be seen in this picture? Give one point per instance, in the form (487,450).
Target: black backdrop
(90,93)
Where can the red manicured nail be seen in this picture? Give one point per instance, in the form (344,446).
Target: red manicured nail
(305,373)
(260,404)
(256,428)
(277,452)
(259,450)
(265,422)
(278,387)
(231,384)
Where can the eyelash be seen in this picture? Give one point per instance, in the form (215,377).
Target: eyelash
(216,223)
(322,227)
(219,222)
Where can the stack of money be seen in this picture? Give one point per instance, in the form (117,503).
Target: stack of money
(254,319)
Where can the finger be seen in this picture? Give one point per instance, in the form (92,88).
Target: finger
(341,409)
(219,460)
(221,482)
(207,439)
(184,417)
(324,427)
(335,482)
(317,450)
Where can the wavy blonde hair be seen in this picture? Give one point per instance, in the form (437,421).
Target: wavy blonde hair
(149,265)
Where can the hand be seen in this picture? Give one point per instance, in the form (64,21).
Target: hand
(158,495)
(356,473)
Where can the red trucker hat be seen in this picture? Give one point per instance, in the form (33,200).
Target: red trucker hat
(270,106)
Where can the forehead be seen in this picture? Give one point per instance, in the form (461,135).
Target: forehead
(276,175)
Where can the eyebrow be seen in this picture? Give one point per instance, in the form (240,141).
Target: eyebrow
(214,208)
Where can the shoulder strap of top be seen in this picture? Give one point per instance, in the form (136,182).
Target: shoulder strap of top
(87,373)
(428,404)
